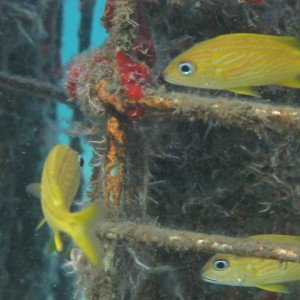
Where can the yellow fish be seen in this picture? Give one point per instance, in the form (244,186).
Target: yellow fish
(237,63)
(59,185)
(267,274)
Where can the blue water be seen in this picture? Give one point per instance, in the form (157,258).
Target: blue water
(70,47)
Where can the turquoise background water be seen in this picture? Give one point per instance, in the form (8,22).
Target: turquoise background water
(70,47)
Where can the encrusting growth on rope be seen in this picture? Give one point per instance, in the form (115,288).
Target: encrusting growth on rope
(33,86)
(183,241)
(114,163)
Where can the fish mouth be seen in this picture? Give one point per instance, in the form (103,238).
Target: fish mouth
(167,78)
(207,279)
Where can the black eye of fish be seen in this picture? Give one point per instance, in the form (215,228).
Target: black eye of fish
(220,264)
(186,68)
(81,161)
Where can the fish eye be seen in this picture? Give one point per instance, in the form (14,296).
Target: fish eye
(220,264)
(186,68)
(81,161)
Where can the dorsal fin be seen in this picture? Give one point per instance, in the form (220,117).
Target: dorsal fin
(289,40)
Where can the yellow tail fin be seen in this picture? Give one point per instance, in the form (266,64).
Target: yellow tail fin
(83,232)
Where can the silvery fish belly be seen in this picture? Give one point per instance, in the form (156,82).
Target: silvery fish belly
(238,62)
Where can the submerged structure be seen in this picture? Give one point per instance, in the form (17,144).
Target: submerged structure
(181,172)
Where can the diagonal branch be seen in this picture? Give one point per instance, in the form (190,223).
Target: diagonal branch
(33,86)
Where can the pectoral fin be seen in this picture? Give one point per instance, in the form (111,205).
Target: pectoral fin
(34,189)
(50,246)
(278,288)
(41,223)
(246,90)
(57,240)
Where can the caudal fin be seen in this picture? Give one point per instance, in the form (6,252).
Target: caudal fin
(83,232)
